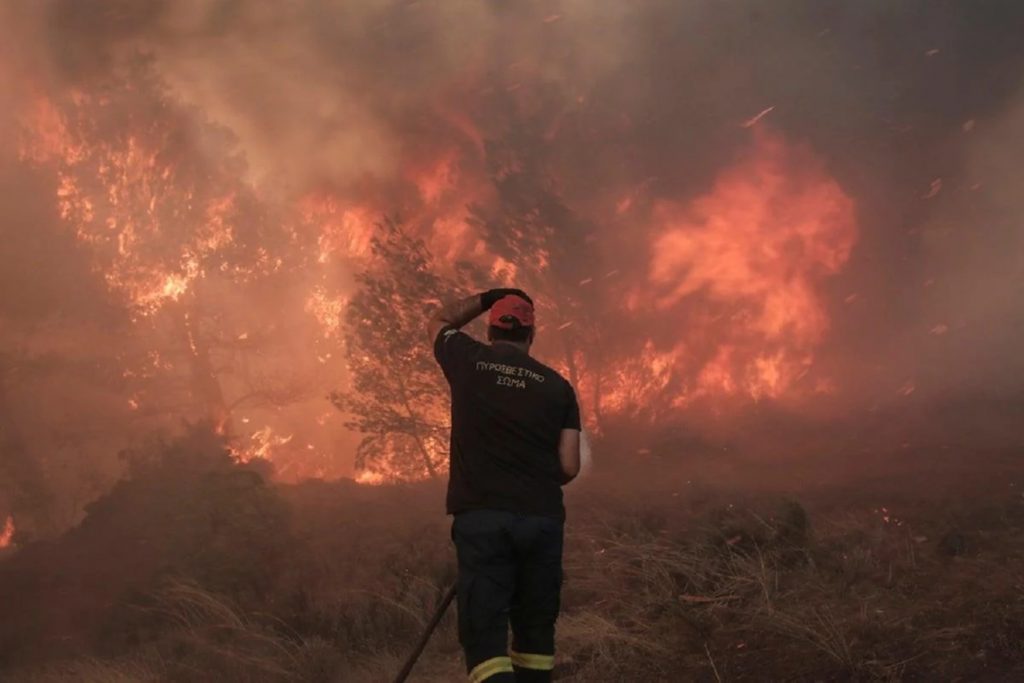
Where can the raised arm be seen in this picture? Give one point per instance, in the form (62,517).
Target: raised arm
(455,314)
(463,311)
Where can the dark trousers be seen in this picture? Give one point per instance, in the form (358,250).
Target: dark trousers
(510,573)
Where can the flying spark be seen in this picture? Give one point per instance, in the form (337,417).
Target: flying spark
(751,122)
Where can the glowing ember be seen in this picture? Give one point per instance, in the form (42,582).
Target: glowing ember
(326,309)
(933,189)
(370,478)
(262,444)
(7,533)
(753,120)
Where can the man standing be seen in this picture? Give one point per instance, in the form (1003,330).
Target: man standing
(515,441)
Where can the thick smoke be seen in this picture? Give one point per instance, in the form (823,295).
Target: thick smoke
(913,110)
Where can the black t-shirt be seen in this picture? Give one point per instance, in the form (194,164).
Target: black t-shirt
(508,412)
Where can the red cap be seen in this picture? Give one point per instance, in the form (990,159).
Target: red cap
(508,309)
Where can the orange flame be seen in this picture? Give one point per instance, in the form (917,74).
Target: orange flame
(122,198)
(262,444)
(739,266)
(345,229)
(327,310)
(736,271)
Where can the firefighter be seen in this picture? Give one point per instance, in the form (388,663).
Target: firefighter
(515,441)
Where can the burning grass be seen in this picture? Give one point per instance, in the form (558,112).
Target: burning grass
(711,585)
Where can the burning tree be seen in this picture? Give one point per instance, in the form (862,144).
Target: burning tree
(551,249)
(397,397)
(158,198)
(230,294)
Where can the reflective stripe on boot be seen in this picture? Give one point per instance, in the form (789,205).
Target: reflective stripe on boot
(490,667)
(527,660)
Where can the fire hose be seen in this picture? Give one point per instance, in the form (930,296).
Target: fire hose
(427,632)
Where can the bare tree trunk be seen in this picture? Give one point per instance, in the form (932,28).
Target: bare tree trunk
(431,470)
(204,383)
